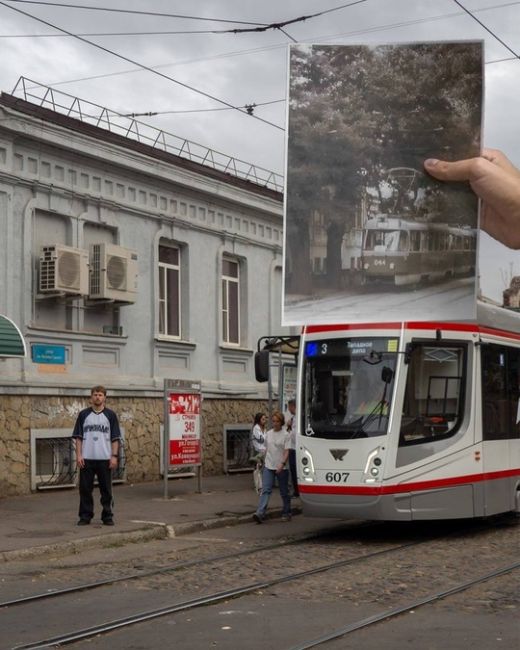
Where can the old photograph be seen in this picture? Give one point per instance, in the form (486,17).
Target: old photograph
(370,236)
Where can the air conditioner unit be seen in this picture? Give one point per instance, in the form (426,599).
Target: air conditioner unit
(113,273)
(63,269)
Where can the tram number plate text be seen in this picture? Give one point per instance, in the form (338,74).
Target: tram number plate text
(336,477)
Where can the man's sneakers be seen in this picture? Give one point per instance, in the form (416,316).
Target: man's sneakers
(286,517)
(257,518)
(83,522)
(108,522)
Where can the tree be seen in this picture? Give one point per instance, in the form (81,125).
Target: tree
(355,112)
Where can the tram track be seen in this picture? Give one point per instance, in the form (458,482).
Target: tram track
(176,566)
(208,599)
(397,611)
(237,592)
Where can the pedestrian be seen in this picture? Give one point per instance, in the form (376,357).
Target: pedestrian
(97,437)
(257,441)
(496,181)
(277,442)
(290,425)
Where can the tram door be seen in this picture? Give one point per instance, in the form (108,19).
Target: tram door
(500,424)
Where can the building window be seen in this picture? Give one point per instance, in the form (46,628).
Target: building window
(169,291)
(230,301)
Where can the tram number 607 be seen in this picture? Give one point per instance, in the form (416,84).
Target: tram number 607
(336,477)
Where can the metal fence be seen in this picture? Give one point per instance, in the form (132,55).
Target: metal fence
(129,127)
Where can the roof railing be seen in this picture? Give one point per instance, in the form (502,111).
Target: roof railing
(127,126)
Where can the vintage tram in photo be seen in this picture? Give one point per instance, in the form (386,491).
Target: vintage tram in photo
(402,252)
(410,421)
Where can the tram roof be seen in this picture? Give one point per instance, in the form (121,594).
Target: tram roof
(384,221)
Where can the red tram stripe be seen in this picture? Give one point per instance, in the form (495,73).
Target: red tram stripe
(413,325)
(407,487)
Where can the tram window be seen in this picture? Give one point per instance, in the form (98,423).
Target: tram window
(434,397)
(386,240)
(415,240)
(500,392)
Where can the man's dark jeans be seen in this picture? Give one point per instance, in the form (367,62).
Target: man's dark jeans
(101,469)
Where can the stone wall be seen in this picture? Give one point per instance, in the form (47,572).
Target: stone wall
(140,417)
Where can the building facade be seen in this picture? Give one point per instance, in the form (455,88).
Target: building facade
(125,264)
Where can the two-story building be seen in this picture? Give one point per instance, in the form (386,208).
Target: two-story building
(126,260)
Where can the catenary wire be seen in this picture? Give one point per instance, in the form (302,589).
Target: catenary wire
(459,4)
(200,110)
(135,11)
(283,45)
(141,65)
(260,27)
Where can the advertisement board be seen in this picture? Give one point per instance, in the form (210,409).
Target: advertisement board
(184,428)
(182,446)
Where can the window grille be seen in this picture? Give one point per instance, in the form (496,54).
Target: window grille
(237,449)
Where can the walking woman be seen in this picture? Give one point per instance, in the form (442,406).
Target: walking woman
(277,441)
(258,433)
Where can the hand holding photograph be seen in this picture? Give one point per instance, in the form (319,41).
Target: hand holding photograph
(369,235)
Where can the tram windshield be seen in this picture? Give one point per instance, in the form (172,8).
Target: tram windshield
(386,240)
(348,387)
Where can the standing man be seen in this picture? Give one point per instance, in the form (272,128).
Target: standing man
(97,438)
(290,425)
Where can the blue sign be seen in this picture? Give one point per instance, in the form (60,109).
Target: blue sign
(43,353)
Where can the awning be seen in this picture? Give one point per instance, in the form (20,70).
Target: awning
(12,343)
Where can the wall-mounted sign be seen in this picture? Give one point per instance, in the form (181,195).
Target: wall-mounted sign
(48,353)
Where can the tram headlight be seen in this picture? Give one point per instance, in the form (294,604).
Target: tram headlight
(377,461)
(374,471)
(307,466)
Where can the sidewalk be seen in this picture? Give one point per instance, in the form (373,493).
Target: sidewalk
(46,521)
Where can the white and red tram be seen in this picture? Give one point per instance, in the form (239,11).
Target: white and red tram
(406,421)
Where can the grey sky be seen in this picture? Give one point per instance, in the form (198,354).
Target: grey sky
(251,67)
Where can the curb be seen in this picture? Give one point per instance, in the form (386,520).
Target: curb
(150,532)
(98,541)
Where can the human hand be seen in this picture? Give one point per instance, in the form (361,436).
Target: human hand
(496,181)
(112,462)
(80,461)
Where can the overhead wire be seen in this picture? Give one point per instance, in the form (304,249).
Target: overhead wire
(136,12)
(143,66)
(459,4)
(258,27)
(248,110)
(200,110)
(241,52)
